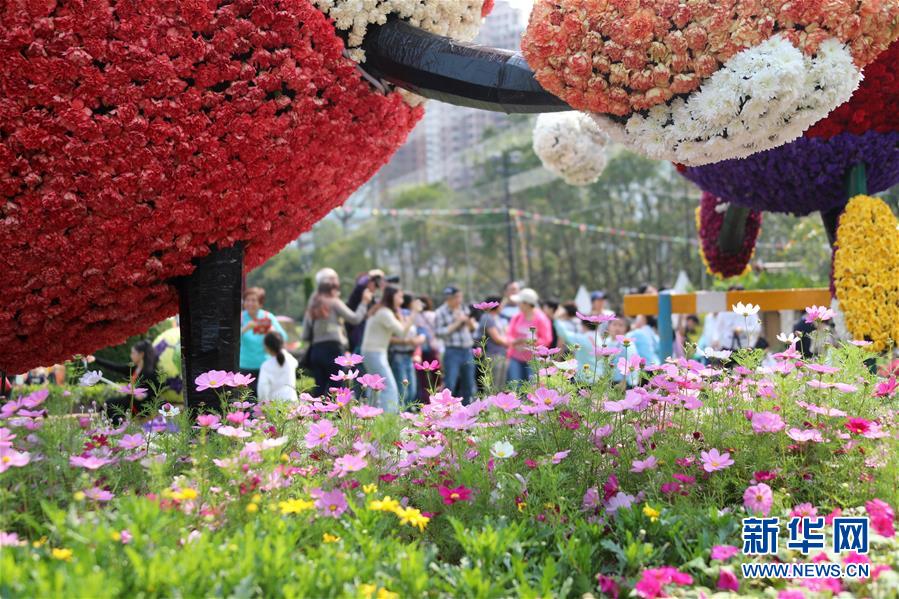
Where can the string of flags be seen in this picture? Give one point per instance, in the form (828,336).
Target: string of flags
(534,217)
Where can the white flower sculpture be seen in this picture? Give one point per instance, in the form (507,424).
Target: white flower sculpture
(570,145)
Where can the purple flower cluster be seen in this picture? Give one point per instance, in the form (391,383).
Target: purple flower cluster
(801,177)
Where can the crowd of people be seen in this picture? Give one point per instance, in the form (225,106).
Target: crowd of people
(400,336)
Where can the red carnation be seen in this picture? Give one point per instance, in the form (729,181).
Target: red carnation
(710,218)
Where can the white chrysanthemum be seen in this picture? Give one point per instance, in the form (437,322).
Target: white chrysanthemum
(570,145)
(458,19)
(761,98)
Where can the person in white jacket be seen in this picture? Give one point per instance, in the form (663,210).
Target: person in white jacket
(278,374)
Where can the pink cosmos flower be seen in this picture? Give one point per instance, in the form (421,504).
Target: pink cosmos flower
(430,451)
(230,431)
(822,313)
(426,366)
(618,501)
(504,401)
(804,510)
(758,499)
(6,437)
(11,458)
(767,422)
(485,306)
(649,463)
(724,552)
(98,494)
(608,586)
(237,418)
(631,401)
(348,361)
(822,368)
(845,387)
(344,375)
(239,379)
(350,462)
(858,425)
(713,460)
(630,364)
(559,456)
(131,441)
(547,397)
(10,539)
(453,495)
(372,381)
(125,536)
(591,499)
(653,581)
(209,420)
(882,517)
(477,352)
(320,433)
(805,435)
(89,462)
(331,503)
(605,352)
(791,594)
(595,318)
(366,411)
(137,392)
(213,379)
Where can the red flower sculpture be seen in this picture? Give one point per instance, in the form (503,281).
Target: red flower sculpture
(709,219)
(873,105)
(136,135)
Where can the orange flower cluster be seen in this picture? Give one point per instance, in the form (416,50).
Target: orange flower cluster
(623,56)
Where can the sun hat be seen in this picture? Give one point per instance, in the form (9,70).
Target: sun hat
(526,296)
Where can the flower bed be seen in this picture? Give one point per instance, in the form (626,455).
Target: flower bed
(558,490)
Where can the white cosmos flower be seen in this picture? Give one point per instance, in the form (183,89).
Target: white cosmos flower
(745,309)
(721,354)
(788,338)
(502,449)
(90,378)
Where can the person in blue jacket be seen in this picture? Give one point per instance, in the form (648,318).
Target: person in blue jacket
(255,322)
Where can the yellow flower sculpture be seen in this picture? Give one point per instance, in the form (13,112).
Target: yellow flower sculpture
(866,271)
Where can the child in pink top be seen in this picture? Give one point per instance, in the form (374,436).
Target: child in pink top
(520,336)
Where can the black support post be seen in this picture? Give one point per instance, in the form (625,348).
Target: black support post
(210,320)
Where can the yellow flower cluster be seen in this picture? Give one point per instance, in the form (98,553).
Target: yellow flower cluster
(367,591)
(651,513)
(407,515)
(295,506)
(185,494)
(866,271)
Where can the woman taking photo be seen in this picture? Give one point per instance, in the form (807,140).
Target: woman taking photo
(254,324)
(384,323)
(142,374)
(324,330)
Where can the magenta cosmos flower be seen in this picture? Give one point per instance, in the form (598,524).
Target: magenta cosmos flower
(11,458)
(320,433)
(330,503)
(713,460)
(882,517)
(758,499)
(653,581)
(724,552)
(213,379)
(453,495)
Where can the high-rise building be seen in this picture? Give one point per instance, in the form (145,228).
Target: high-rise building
(437,149)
